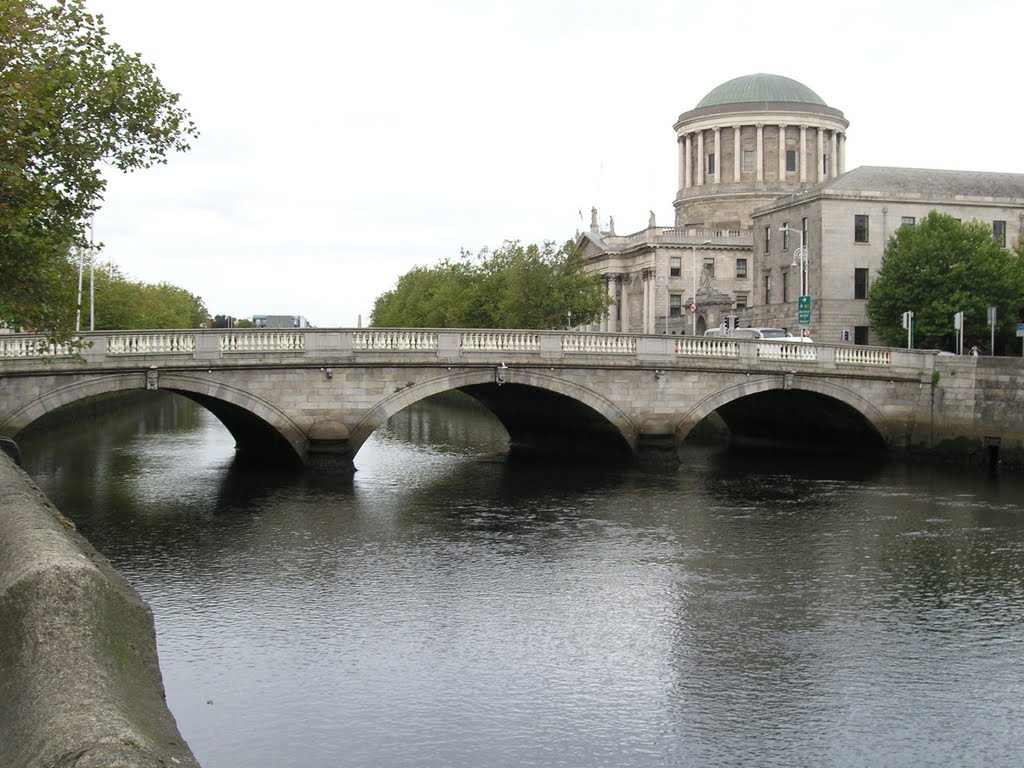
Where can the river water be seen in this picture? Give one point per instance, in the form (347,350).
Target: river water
(447,607)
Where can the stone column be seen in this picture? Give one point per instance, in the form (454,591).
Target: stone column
(682,163)
(760,151)
(700,159)
(821,154)
(737,154)
(782,152)
(834,160)
(608,321)
(803,154)
(653,323)
(686,160)
(624,303)
(842,153)
(718,155)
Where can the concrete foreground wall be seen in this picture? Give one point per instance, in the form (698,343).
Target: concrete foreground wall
(80,684)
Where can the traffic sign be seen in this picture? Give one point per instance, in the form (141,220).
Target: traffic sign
(1020,330)
(803,310)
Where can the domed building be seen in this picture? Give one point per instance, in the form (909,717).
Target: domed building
(770,229)
(749,141)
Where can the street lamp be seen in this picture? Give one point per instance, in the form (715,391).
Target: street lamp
(801,254)
(803,303)
(693,307)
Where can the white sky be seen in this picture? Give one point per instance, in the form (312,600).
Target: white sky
(345,142)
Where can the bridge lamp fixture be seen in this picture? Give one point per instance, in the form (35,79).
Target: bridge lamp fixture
(801,255)
(693,307)
(328,373)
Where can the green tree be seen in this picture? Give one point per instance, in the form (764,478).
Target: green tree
(122,303)
(938,268)
(515,286)
(70,101)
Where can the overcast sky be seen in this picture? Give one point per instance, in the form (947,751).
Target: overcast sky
(344,143)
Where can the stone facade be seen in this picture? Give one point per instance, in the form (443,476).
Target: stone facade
(847,223)
(757,154)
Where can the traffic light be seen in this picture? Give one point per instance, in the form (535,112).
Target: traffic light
(725,322)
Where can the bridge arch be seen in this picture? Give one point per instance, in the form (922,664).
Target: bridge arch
(482,384)
(868,412)
(258,427)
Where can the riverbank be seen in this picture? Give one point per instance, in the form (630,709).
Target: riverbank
(80,682)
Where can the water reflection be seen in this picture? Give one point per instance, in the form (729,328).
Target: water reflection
(447,607)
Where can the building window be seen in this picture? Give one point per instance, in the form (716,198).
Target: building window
(767,240)
(675,304)
(741,268)
(785,235)
(785,287)
(748,160)
(741,301)
(675,267)
(999,232)
(709,265)
(860,335)
(860,228)
(790,160)
(860,283)
(907,221)
(711,164)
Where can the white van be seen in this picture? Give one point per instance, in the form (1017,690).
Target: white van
(770,334)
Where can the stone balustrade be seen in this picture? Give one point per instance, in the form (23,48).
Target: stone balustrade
(262,341)
(208,344)
(148,343)
(500,341)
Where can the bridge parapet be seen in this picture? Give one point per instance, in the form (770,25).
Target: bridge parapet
(241,344)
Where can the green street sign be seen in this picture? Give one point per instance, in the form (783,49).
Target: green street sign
(803,310)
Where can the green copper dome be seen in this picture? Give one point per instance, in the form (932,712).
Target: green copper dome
(760,87)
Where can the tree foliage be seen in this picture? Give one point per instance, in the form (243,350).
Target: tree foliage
(516,286)
(122,303)
(70,100)
(938,268)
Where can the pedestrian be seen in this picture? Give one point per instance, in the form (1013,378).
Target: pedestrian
(975,351)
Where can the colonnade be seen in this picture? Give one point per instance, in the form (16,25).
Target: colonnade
(827,142)
(618,291)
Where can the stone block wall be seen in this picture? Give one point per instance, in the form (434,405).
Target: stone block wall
(80,683)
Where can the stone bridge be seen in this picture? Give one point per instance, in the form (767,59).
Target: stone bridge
(316,395)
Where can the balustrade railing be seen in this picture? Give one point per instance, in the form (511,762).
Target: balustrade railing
(499,341)
(403,341)
(775,350)
(263,341)
(599,345)
(211,343)
(863,356)
(699,346)
(151,344)
(20,345)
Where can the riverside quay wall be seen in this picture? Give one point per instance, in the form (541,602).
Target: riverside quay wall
(80,684)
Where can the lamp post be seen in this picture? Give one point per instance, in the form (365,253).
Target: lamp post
(693,309)
(801,255)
